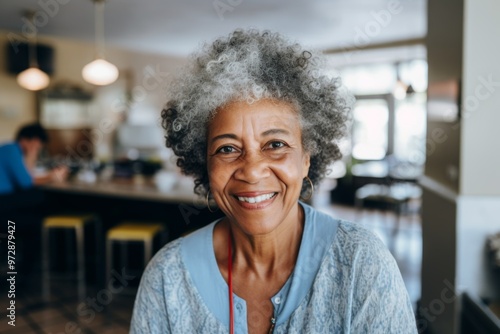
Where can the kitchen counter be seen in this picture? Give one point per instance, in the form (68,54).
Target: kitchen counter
(120,200)
(144,190)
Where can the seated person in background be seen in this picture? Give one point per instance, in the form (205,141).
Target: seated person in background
(18,161)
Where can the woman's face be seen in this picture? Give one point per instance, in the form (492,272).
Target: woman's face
(256,163)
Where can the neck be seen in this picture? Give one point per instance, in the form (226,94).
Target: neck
(277,251)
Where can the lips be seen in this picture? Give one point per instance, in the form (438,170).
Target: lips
(256,199)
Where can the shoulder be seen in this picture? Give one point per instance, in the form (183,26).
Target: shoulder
(350,241)
(165,266)
(10,155)
(355,244)
(354,235)
(380,301)
(161,278)
(362,257)
(9,148)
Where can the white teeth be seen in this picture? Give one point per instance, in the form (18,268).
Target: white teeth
(256,199)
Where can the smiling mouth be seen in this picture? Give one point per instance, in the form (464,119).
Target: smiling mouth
(256,199)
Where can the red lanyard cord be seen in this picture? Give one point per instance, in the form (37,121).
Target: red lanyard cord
(230,282)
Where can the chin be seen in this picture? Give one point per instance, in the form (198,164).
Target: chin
(259,221)
(255,227)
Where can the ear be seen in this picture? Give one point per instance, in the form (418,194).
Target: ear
(306,163)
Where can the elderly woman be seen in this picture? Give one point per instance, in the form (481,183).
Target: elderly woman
(254,121)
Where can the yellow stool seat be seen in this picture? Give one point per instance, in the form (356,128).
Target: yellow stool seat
(72,221)
(133,231)
(128,231)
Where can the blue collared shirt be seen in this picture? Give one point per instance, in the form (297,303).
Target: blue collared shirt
(13,172)
(344,281)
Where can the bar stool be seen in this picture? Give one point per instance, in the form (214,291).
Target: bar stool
(133,231)
(68,222)
(394,197)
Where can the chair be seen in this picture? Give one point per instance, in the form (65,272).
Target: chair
(77,224)
(395,196)
(133,231)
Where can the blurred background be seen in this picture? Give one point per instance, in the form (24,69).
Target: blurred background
(420,167)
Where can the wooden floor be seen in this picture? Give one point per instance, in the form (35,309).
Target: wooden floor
(65,313)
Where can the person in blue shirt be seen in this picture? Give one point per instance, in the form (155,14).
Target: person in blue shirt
(18,161)
(256,121)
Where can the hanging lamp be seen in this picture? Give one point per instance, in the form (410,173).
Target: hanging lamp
(32,78)
(99,72)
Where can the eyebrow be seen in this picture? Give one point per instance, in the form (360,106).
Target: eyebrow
(263,134)
(275,132)
(225,135)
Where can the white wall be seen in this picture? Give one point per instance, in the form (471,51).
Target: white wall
(479,203)
(478,217)
(480,153)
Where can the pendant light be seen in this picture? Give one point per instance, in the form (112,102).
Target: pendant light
(99,72)
(32,78)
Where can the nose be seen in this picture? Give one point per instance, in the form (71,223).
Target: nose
(253,168)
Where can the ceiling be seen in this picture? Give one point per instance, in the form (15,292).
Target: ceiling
(177,27)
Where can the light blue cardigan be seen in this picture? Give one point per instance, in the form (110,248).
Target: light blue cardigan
(344,281)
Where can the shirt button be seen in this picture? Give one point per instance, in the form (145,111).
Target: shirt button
(239,307)
(277,300)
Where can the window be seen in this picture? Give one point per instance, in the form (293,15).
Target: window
(370,129)
(409,129)
(383,125)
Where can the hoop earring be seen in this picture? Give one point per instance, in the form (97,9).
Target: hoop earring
(312,189)
(208,202)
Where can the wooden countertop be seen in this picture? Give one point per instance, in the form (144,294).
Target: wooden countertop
(143,190)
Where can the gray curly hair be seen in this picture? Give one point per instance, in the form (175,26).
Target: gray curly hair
(249,66)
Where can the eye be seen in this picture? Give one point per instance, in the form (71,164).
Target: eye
(226,150)
(274,145)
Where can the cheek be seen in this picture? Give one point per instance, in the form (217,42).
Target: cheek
(217,175)
(291,170)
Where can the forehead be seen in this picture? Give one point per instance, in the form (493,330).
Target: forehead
(260,115)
